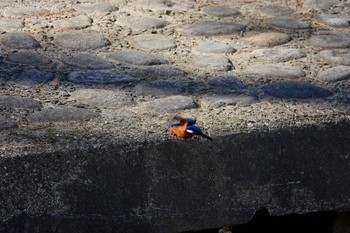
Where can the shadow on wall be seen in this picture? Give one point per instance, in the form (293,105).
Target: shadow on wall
(321,222)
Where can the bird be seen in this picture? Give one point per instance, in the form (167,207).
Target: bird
(185,128)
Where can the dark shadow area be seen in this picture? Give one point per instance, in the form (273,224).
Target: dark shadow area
(321,222)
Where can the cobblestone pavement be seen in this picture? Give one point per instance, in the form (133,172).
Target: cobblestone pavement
(76,70)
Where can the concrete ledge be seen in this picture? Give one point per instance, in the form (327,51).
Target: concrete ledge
(175,186)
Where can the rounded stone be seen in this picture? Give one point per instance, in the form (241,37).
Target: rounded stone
(80,40)
(136,57)
(61,114)
(217,101)
(152,42)
(335,74)
(213,62)
(78,22)
(278,55)
(225,82)
(157,5)
(164,71)
(274,11)
(28,58)
(170,104)
(336,56)
(287,23)
(275,70)
(11,23)
(87,61)
(142,23)
(24,11)
(101,77)
(33,77)
(268,39)
(101,7)
(19,40)
(221,11)
(335,39)
(295,89)
(319,4)
(18,102)
(6,123)
(214,47)
(162,87)
(336,20)
(102,98)
(212,28)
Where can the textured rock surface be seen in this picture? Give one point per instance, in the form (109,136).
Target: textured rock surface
(152,42)
(136,57)
(19,40)
(268,39)
(275,70)
(211,28)
(80,40)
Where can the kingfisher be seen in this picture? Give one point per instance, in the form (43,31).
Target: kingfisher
(185,128)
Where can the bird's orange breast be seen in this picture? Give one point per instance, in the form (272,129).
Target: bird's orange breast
(179,131)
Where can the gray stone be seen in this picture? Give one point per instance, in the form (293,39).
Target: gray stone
(319,4)
(274,11)
(275,70)
(336,56)
(214,47)
(162,87)
(11,23)
(170,104)
(336,20)
(268,39)
(217,101)
(80,40)
(152,42)
(28,58)
(19,40)
(221,11)
(101,77)
(87,61)
(295,89)
(214,62)
(33,77)
(332,39)
(212,28)
(101,7)
(335,74)
(102,98)
(6,123)
(142,23)
(24,11)
(278,55)
(287,23)
(157,5)
(18,102)
(136,57)
(77,22)
(164,71)
(61,114)
(225,83)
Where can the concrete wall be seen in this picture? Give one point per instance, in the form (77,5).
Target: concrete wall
(175,186)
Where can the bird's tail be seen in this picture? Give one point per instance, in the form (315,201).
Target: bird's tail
(206,136)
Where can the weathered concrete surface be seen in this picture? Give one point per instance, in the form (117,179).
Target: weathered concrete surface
(174,186)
